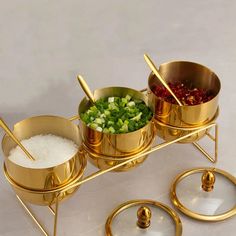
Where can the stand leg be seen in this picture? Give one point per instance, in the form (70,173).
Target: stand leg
(55,218)
(215,140)
(51,209)
(54,212)
(32,216)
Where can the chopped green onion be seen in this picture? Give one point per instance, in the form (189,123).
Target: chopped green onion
(117,115)
(111,99)
(99,129)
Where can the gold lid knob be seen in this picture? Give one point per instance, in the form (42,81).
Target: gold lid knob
(208,180)
(144,215)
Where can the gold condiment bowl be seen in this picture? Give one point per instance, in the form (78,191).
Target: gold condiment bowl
(99,144)
(41,186)
(195,76)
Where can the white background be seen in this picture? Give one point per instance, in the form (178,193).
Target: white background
(45,44)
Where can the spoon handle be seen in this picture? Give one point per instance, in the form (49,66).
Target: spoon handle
(86,88)
(13,137)
(155,71)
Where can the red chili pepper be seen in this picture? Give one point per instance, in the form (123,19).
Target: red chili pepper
(186,95)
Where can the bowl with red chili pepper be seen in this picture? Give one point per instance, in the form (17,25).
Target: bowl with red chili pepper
(196,86)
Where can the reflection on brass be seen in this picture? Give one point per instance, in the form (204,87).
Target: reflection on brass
(193,75)
(42,179)
(150,203)
(28,127)
(46,197)
(144,215)
(104,162)
(177,202)
(157,74)
(136,157)
(116,145)
(208,180)
(13,137)
(169,132)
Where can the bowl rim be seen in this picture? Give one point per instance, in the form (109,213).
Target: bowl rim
(122,134)
(41,168)
(187,62)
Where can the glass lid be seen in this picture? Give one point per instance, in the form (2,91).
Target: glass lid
(143,217)
(207,194)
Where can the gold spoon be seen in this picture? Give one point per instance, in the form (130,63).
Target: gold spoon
(86,88)
(155,71)
(13,137)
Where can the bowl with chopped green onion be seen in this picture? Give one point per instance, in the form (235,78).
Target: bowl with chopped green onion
(118,125)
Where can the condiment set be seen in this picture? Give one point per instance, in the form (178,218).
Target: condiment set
(173,123)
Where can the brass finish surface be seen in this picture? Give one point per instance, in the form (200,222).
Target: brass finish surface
(86,88)
(78,182)
(68,188)
(43,178)
(13,137)
(116,145)
(47,197)
(208,181)
(177,203)
(132,203)
(104,162)
(144,215)
(111,152)
(169,132)
(193,75)
(157,74)
(136,157)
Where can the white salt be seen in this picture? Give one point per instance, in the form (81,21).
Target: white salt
(48,150)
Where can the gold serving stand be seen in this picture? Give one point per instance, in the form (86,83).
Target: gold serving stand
(58,193)
(171,124)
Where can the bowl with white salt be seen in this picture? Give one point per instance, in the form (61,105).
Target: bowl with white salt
(55,143)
